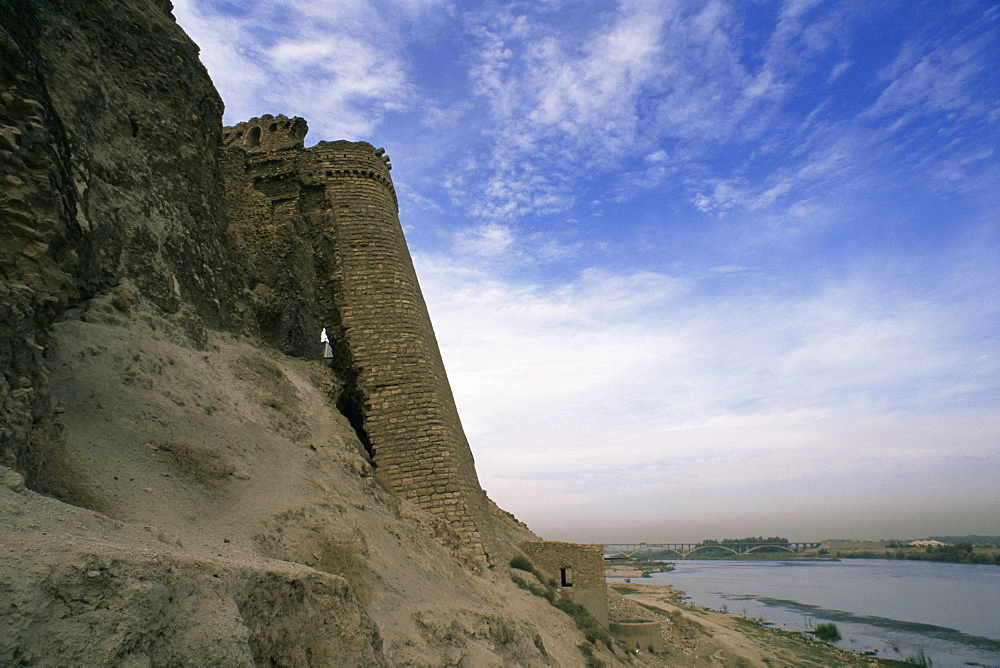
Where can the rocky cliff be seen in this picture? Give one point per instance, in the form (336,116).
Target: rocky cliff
(182,482)
(109,137)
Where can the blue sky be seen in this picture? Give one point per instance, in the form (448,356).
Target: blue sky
(697,269)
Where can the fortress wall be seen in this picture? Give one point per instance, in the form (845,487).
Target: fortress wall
(320,228)
(410,419)
(278,220)
(640,634)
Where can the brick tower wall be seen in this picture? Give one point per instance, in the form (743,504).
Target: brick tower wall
(321,227)
(410,419)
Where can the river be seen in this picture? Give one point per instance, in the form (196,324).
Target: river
(899,609)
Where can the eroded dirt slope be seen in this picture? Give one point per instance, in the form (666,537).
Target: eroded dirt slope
(222,469)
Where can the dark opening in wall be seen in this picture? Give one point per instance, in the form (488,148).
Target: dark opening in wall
(253,136)
(351,405)
(274,127)
(350,402)
(566,577)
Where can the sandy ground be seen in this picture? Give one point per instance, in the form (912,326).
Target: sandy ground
(701,637)
(214,454)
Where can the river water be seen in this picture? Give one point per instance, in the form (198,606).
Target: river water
(949,612)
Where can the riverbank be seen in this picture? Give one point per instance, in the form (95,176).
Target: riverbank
(956,553)
(701,637)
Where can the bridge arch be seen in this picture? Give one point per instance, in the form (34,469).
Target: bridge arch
(713,547)
(761,547)
(679,553)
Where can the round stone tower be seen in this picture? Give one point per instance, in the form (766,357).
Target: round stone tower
(408,416)
(321,227)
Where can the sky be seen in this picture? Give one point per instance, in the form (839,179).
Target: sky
(697,269)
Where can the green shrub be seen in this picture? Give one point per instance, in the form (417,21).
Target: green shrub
(521,563)
(548,593)
(827,631)
(920,658)
(585,622)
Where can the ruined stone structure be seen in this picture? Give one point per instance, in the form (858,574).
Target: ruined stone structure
(640,634)
(326,216)
(577,568)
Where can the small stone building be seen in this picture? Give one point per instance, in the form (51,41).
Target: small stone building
(577,569)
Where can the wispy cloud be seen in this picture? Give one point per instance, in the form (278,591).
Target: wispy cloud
(583,98)
(317,60)
(927,77)
(747,127)
(488,240)
(740,117)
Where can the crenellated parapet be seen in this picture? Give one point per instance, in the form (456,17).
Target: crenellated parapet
(321,224)
(267,133)
(352,160)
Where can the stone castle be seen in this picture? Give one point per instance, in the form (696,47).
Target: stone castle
(203,487)
(339,197)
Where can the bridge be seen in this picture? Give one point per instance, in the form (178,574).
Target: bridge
(684,550)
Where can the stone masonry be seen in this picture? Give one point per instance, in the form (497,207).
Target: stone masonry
(321,227)
(577,568)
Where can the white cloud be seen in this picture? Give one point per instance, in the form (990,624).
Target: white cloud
(626,384)
(226,51)
(937,79)
(316,60)
(489,240)
(728,269)
(685,89)
(838,70)
(648,76)
(565,101)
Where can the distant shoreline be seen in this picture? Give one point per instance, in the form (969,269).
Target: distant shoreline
(953,553)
